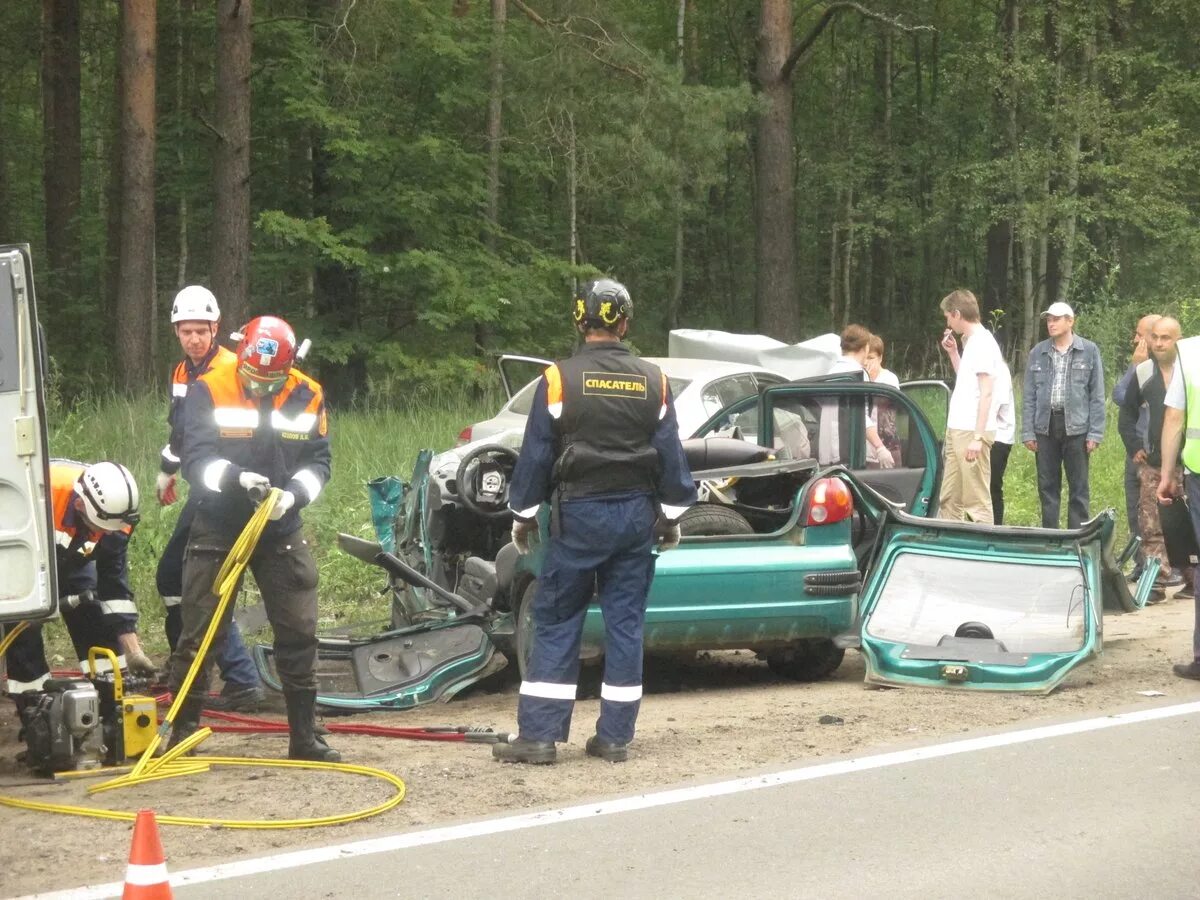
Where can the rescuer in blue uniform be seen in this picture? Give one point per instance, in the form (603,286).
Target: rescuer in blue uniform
(602,446)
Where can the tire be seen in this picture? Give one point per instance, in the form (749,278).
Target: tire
(523,627)
(591,673)
(807,660)
(709,519)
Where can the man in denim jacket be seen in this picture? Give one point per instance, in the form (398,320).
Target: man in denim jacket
(1062,414)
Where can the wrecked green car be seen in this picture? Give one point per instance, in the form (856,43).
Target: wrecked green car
(798,550)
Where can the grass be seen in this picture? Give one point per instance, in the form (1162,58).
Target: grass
(366,445)
(385,442)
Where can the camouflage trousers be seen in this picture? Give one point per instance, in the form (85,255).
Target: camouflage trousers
(1153,543)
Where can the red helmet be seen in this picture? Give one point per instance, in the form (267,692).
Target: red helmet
(265,354)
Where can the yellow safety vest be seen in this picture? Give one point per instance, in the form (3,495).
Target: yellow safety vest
(1189,361)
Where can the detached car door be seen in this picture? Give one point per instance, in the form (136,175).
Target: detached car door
(984,607)
(27,570)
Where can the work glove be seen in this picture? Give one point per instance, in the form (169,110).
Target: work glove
(139,663)
(285,502)
(165,488)
(884,457)
(667,534)
(520,534)
(255,485)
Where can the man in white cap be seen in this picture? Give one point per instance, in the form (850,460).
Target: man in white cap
(1062,414)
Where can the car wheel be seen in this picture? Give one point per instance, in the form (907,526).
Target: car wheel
(807,660)
(713,519)
(591,672)
(523,627)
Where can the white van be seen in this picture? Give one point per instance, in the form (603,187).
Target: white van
(28,589)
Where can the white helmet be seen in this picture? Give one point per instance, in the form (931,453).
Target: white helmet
(109,494)
(195,304)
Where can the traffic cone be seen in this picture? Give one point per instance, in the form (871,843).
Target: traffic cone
(146,877)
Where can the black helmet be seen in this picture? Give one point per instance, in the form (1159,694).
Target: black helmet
(602,304)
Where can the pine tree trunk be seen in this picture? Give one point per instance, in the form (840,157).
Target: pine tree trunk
(62,157)
(775,311)
(676,298)
(484,338)
(136,296)
(230,264)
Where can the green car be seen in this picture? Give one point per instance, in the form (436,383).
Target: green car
(799,549)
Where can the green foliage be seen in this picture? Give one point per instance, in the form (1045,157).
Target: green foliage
(370,160)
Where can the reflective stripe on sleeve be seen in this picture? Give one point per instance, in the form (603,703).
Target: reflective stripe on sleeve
(302,423)
(621,694)
(213,473)
(662,409)
(672,512)
(310,481)
(1192,433)
(171,601)
(554,392)
(235,417)
(548,690)
(179,390)
(117,607)
(168,455)
(527,513)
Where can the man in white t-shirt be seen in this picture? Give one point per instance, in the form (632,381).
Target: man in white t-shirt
(971,420)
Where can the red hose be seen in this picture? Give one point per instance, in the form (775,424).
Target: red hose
(243,724)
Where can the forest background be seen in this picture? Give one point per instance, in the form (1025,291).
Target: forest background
(417,185)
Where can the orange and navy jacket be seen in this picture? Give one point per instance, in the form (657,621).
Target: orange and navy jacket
(284,436)
(90,560)
(184,375)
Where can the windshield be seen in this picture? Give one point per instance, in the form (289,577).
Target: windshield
(1027,607)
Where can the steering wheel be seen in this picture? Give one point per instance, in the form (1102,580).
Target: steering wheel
(483,478)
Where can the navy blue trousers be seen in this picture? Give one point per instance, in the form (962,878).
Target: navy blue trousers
(233,659)
(603,547)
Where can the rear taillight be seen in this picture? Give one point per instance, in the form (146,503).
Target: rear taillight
(829,501)
(464,436)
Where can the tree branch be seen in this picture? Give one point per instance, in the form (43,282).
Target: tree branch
(598,43)
(831,12)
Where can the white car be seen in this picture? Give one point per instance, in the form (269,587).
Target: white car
(701,388)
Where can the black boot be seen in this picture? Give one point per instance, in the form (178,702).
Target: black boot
(538,753)
(186,722)
(305,743)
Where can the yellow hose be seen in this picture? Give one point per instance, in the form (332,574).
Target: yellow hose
(12,636)
(173,764)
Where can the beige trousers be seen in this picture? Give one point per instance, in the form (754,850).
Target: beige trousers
(966,486)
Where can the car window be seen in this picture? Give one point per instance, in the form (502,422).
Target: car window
(522,403)
(728,390)
(832,429)
(678,385)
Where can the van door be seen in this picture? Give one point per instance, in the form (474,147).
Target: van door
(27,571)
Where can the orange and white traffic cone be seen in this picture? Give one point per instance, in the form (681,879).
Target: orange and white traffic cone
(146,877)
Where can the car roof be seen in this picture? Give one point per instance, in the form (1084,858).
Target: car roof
(683,367)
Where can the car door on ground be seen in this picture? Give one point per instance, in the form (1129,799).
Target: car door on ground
(27,571)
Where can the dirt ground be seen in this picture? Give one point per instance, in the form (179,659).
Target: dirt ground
(718,716)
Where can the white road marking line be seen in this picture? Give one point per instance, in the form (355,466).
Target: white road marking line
(404,841)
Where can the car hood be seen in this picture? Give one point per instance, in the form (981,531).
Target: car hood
(978,607)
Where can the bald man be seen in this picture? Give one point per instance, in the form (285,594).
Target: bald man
(1149,387)
(1141,352)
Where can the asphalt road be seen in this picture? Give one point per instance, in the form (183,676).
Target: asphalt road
(1104,813)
